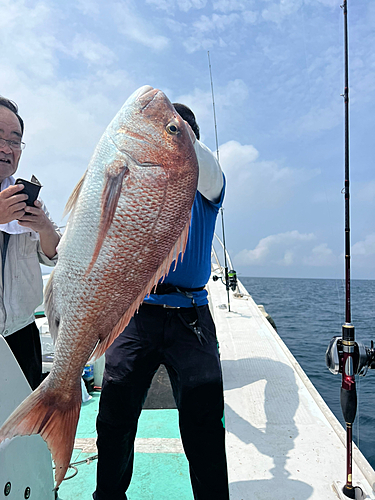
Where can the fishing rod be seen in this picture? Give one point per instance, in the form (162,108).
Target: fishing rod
(230,276)
(344,355)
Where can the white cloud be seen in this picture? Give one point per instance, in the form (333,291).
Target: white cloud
(166,5)
(250,17)
(276,12)
(12,14)
(27,39)
(88,7)
(365,193)
(363,257)
(137,28)
(236,157)
(183,5)
(217,22)
(321,256)
(186,5)
(232,96)
(193,44)
(288,259)
(366,247)
(319,119)
(93,51)
(282,248)
(231,5)
(254,183)
(209,31)
(176,26)
(328,3)
(300,250)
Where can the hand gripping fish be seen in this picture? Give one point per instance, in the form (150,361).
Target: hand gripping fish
(130,217)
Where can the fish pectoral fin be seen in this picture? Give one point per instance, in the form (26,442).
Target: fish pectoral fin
(111,193)
(74,196)
(50,309)
(41,413)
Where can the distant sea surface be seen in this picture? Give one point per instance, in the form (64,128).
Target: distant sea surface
(308,313)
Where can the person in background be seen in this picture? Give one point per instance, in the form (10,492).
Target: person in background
(28,237)
(173,327)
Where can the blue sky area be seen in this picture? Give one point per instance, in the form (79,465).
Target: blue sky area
(277,69)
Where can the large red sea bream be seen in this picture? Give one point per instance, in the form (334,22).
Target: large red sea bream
(129,220)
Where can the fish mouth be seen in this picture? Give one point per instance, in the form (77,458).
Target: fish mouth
(142,91)
(145,95)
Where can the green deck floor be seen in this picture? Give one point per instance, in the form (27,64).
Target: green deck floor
(157,476)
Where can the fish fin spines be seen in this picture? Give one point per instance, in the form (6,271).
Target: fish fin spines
(178,248)
(40,414)
(110,197)
(74,196)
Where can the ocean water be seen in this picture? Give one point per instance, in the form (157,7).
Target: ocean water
(308,313)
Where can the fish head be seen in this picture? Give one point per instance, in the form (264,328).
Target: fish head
(149,129)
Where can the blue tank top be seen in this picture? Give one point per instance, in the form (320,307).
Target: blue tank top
(195,269)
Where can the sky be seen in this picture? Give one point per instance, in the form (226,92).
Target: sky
(277,68)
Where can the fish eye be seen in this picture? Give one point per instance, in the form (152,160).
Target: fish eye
(172,129)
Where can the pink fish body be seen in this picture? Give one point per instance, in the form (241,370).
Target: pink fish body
(129,220)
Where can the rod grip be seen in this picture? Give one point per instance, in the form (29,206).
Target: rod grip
(348,400)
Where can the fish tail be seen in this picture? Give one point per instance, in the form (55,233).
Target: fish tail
(47,414)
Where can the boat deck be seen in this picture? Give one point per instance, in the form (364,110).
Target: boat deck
(282,439)
(160,467)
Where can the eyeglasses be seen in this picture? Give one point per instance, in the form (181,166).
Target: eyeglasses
(15,145)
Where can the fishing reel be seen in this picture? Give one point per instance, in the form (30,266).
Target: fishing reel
(363,357)
(230,279)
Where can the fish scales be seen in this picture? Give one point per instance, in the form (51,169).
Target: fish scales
(129,221)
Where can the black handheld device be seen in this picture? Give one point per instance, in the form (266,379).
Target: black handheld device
(31,188)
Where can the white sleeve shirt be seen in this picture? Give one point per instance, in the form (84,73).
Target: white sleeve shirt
(210,180)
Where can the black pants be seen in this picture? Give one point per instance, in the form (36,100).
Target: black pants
(25,345)
(159,336)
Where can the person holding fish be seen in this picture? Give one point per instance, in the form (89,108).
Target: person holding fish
(173,327)
(28,237)
(148,197)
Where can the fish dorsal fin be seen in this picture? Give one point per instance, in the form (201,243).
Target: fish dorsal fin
(110,196)
(179,247)
(74,196)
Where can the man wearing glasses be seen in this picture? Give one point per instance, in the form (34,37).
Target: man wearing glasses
(28,237)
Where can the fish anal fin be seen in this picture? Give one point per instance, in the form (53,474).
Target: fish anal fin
(74,196)
(44,414)
(178,248)
(111,193)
